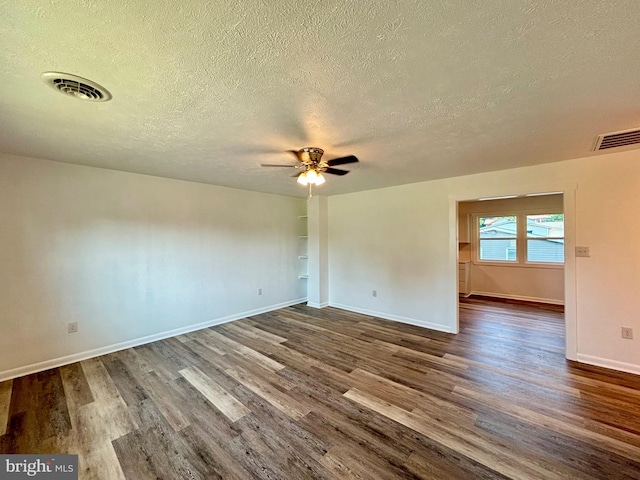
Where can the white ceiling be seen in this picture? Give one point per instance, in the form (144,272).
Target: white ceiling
(418,90)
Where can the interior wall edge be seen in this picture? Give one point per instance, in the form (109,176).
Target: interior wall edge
(317,305)
(80,356)
(396,318)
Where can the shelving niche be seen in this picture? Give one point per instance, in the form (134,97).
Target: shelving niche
(303,256)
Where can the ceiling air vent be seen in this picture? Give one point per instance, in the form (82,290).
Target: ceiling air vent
(76,87)
(618,139)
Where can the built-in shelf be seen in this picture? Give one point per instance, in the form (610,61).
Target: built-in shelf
(302,245)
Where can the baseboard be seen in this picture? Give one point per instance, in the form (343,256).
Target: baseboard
(397,318)
(517,297)
(78,357)
(606,363)
(318,305)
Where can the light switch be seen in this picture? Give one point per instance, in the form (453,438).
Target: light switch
(582,252)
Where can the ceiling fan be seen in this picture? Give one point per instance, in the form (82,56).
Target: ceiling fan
(312,166)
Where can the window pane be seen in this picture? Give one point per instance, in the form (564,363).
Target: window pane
(548,250)
(545,238)
(547,225)
(498,227)
(499,250)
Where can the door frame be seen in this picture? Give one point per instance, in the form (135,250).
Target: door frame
(568,191)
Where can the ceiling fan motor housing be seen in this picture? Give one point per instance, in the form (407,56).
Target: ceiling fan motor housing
(314,154)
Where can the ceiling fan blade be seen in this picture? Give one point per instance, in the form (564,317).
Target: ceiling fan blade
(342,160)
(296,153)
(336,171)
(274,165)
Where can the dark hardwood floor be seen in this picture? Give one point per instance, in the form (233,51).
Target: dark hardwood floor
(305,393)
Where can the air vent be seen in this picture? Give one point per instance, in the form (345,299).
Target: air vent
(618,139)
(76,87)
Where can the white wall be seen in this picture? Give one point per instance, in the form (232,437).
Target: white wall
(129,257)
(395,241)
(525,282)
(532,284)
(401,241)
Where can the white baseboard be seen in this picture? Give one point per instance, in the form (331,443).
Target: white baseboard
(518,297)
(78,357)
(318,305)
(397,318)
(606,363)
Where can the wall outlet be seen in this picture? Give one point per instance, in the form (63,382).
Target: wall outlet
(259,291)
(582,252)
(627,333)
(375,293)
(72,327)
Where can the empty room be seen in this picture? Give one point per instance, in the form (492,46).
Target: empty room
(307,240)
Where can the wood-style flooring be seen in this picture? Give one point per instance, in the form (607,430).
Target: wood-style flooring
(305,393)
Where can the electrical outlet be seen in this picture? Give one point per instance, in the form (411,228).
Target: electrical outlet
(375,293)
(582,252)
(259,291)
(72,327)
(627,333)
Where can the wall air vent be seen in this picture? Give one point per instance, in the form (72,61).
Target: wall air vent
(618,139)
(76,87)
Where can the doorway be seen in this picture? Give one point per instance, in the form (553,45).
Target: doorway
(511,248)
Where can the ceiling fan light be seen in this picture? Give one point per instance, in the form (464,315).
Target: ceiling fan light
(312,176)
(302,179)
(320,179)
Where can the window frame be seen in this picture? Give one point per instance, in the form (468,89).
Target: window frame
(527,238)
(477,233)
(521,240)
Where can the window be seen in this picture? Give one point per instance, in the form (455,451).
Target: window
(498,238)
(521,238)
(545,238)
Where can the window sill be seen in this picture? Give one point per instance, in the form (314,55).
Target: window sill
(552,266)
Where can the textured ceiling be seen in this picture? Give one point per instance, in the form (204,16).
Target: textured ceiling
(206,91)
